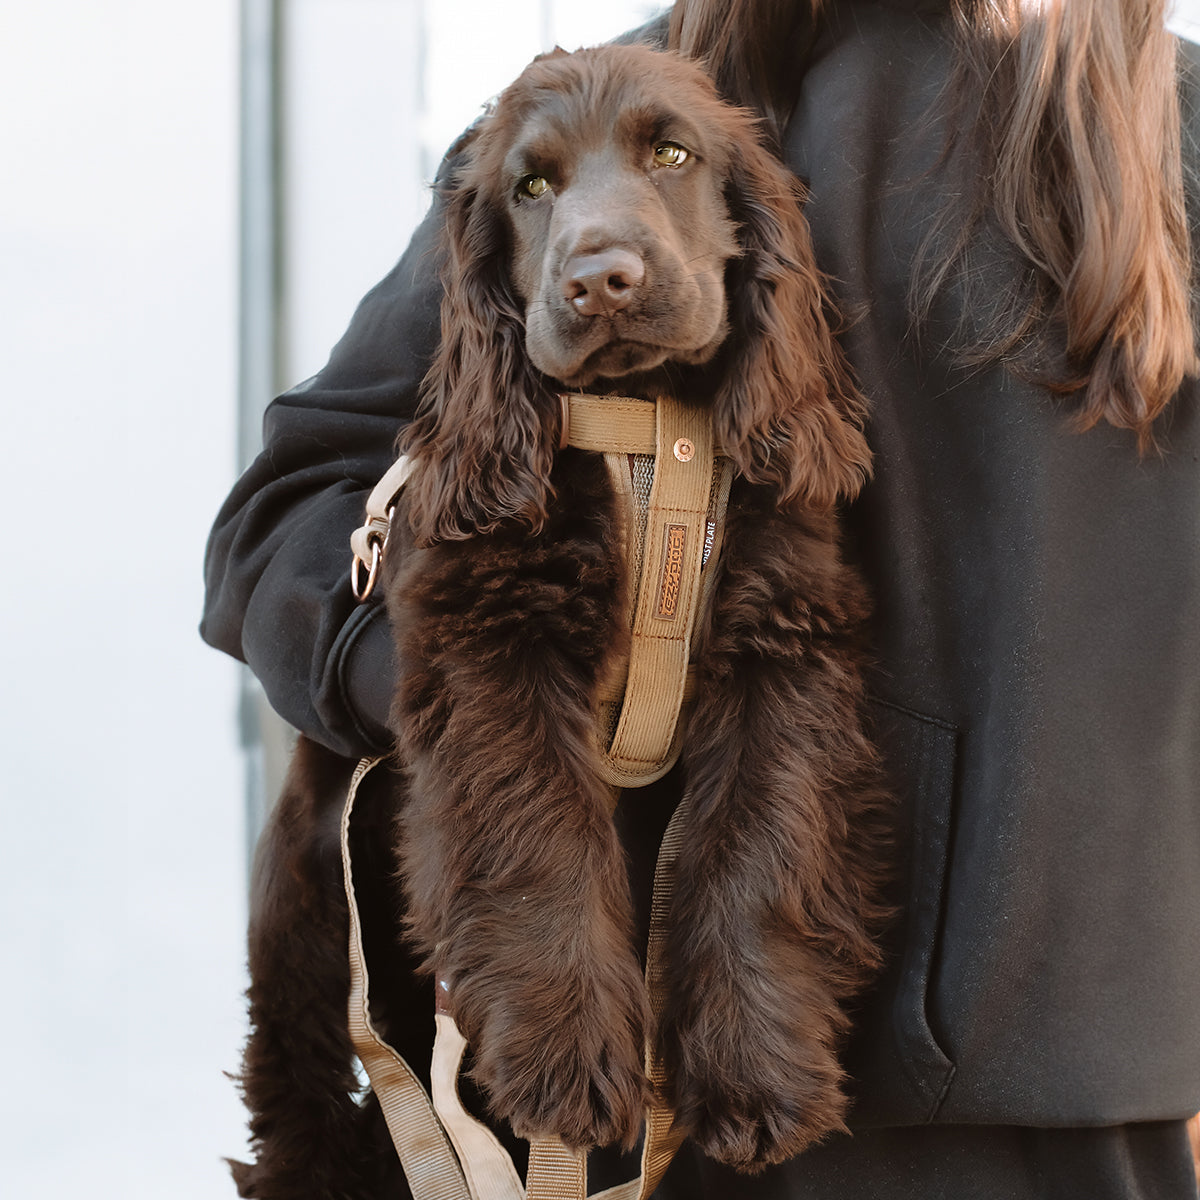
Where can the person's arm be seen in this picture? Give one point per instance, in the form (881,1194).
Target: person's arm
(277,564)
(278,560)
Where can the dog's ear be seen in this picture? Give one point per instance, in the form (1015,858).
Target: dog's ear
(788,410)
(484,442)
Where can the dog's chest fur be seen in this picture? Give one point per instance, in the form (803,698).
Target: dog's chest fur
(563,589)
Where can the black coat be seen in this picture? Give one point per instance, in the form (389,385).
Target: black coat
(1038,637)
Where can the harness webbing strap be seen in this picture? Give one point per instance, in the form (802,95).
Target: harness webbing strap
(555,1172)
(668,594)
(489,1170)
(663,1137)
(613,423)
(429,1163)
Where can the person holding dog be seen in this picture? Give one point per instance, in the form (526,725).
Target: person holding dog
(999,197)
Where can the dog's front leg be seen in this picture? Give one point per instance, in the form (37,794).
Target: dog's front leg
(775,904)
(516,881)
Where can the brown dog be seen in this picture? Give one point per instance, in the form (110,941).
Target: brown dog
(614,225)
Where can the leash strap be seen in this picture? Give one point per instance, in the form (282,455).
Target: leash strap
(488,1169)
(429,1163)
(663,1137)
(446,1153)
(556,1173)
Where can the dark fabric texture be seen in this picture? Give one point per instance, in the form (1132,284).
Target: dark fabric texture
(1039,648)
(277,565)
(955,1162)
(1038,677)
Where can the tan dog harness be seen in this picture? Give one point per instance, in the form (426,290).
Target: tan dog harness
(672,488)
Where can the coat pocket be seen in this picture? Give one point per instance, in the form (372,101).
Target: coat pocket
(900,1069)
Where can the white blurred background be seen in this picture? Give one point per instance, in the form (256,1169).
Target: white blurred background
(153,294)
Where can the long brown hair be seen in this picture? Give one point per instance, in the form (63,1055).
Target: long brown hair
(1075,104)
(750,48)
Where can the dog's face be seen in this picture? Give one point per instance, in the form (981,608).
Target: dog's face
(613,181)
(612,224)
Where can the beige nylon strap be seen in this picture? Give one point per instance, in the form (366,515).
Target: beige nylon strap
(614,424)
(555,1173)
(663,1137)
(489,1170)
(668,595)
(652,687)
(369,539)
(429,1163)
(379,507)
(589,423)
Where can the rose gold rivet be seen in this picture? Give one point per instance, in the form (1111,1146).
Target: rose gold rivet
(684,450)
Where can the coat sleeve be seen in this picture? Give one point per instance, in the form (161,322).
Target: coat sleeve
(277,592)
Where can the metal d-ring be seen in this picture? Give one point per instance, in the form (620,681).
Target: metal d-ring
(362,591)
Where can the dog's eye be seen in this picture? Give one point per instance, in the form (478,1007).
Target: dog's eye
(668,154)
(533,185)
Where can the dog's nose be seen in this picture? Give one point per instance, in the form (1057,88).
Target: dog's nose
(604,283)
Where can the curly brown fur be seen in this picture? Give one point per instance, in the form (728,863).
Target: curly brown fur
(636,271)
(774,908)
(507,610)
(515,877)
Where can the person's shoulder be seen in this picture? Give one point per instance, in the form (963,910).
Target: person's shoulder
(1189,56)
(1189,100)
(653,33)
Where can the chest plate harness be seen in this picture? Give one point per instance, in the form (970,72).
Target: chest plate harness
(672,488)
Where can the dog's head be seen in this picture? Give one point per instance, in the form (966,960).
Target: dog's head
(613,225)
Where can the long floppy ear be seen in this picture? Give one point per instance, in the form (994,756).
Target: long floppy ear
(484,442)
(788,410)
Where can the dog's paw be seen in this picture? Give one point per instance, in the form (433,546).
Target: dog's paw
(760,1084)
(569,1070)
(586,1095)
(747,1126)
